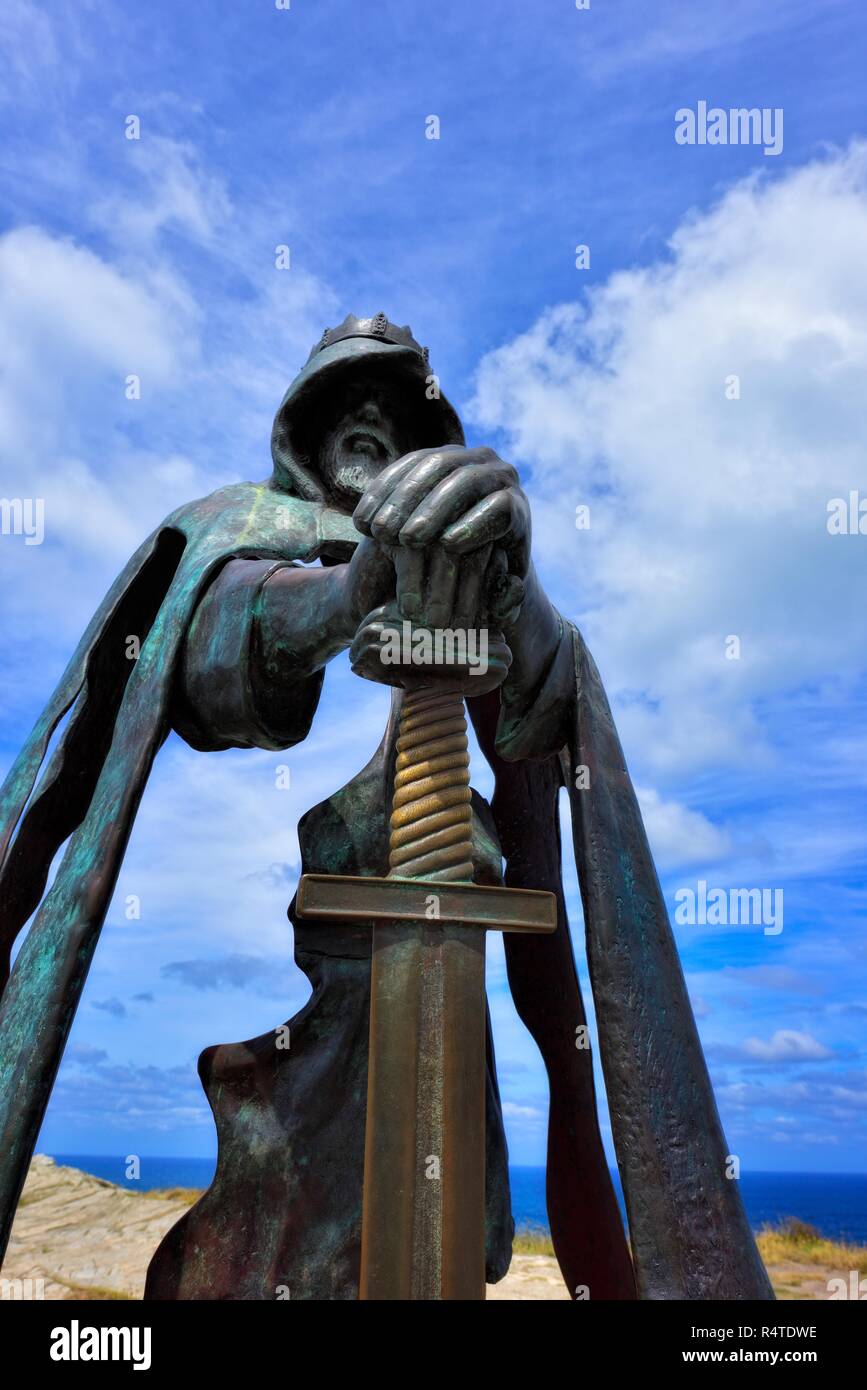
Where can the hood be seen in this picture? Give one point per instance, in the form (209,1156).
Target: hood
(358,346)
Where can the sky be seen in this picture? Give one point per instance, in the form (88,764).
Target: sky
(698,387)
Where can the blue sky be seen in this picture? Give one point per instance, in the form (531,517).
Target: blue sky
(606,386)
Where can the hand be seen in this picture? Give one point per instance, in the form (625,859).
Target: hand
(367,581)
(464,499)
(438,589)
(474,666)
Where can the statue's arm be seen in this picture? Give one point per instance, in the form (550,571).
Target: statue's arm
(538,696)
(254,656)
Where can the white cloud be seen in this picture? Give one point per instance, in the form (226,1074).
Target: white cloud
(707,514)
(29,49)
(671,35)
(216,840)
(71,325)
(678,835)
(177,193)
(74,323)
(513,1111)
(786,1046)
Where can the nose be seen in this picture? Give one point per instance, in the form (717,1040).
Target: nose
(370,413)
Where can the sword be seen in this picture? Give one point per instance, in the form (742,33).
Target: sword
(423,1200)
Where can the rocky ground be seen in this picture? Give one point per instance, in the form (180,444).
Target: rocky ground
(83,1237)
(86,1238)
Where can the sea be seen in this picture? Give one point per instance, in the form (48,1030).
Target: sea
(835,1203)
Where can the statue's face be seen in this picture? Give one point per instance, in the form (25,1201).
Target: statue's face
(370,430)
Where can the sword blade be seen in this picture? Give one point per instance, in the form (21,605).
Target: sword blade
(423,1228)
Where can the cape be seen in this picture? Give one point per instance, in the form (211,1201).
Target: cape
(91,786)
(688,1234)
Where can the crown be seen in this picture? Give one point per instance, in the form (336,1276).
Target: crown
(376,327)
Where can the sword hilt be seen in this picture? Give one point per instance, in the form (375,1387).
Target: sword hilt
(423,1232)
(431,820)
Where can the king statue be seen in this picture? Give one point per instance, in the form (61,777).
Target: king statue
(368,1158)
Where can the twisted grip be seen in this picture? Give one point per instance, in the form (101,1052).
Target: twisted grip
(431,828)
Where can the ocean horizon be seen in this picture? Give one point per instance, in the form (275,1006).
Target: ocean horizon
(835,1203)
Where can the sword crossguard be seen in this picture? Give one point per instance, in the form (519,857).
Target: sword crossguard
(345,898)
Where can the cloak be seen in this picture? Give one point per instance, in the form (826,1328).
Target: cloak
(687,1228)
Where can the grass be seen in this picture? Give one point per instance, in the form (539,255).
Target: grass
(797,1240)
(97,1292)
(792,1240)
(174,1194)
(532,1240)
(80,1292)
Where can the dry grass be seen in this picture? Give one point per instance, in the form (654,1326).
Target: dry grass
(532,1240)
(792,1241)
(90,1292)
(796,1240)
(174,1194)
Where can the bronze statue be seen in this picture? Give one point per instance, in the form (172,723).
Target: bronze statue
(416,535)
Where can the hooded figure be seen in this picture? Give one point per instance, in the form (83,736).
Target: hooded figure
(236,626)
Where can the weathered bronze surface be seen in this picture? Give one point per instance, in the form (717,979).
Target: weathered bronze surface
(335,897)
(423,1200)
(371,477)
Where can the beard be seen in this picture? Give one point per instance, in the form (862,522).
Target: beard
(348,471)
(347,479)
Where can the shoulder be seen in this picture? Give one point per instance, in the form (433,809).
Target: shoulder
(250,517)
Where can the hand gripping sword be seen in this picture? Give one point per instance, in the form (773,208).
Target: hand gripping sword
(423,1201)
